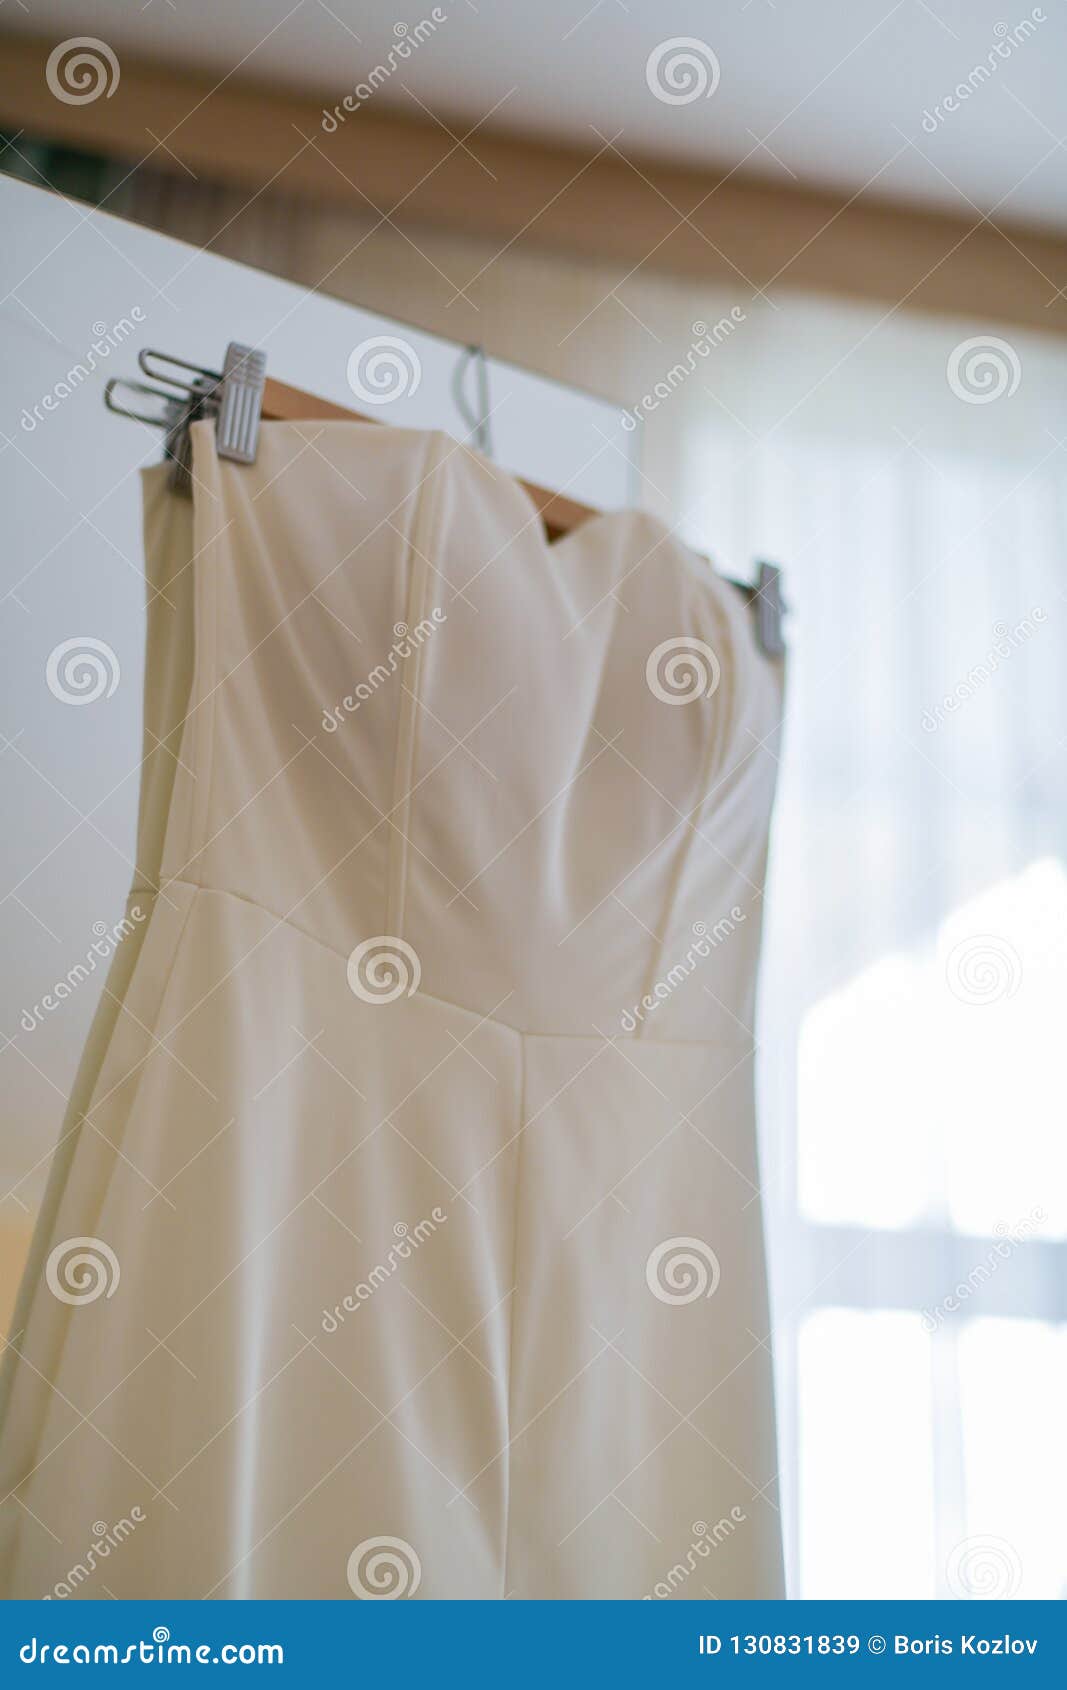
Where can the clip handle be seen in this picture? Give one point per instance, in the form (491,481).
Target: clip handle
(163,418)
(148,358)
(770,609)
(244,376)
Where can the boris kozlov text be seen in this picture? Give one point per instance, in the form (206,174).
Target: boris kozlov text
(967,1644)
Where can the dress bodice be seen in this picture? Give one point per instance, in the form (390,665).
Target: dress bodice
(533,779)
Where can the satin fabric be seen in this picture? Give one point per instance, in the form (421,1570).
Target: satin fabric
(404,1236)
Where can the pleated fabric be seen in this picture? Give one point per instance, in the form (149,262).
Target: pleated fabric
(404,1236)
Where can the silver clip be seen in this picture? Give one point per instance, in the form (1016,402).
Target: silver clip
(244,376)
(770,609)
(233,397)
(160,418)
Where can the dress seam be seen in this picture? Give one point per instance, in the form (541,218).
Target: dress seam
(715,740)
(416,540)
(478,1015)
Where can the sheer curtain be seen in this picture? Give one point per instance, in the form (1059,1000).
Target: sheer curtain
(909,474)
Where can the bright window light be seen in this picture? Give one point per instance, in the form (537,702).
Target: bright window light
(930,1086)
(1013,1385)
(866,1458)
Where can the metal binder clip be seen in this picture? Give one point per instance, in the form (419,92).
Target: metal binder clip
(770,609)
(244,376)
(233,397)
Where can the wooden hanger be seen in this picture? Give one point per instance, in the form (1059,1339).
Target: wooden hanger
(242,394)
(282,403)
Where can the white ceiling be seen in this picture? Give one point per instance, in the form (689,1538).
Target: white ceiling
(828,91)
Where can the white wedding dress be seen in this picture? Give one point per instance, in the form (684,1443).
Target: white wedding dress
(404,1237)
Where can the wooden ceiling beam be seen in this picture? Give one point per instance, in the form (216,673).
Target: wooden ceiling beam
(749,233)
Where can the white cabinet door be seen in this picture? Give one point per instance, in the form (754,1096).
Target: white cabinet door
(82,293)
